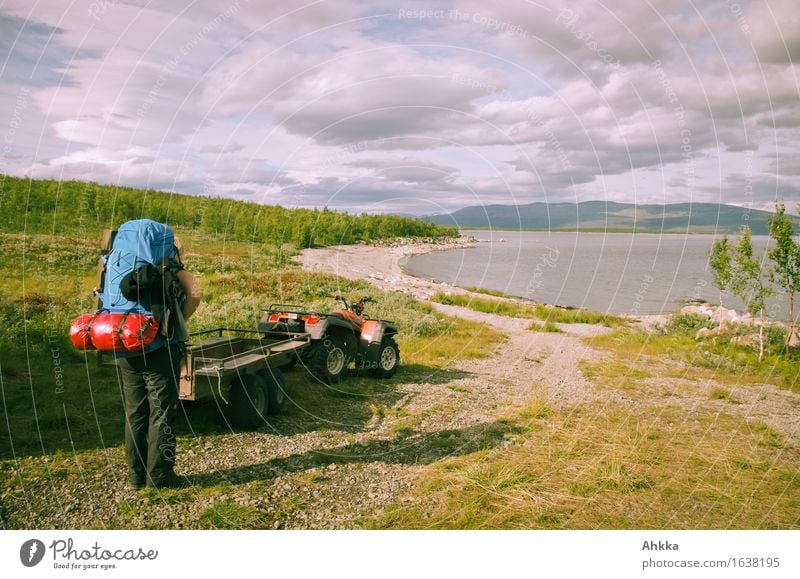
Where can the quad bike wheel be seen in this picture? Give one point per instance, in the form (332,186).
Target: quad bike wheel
(388,359)
(328,359)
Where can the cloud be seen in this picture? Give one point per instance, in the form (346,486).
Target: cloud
(223,149)
(762,188)
(249,171)
(789,118)
(372,195)
(784,166)
(579,39)
(407,170)
(369,93)
(357,104)
(775,26)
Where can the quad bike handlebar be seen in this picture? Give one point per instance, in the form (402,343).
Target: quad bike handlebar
(356,307)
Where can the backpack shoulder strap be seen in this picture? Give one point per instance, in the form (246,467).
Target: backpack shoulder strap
(106,243)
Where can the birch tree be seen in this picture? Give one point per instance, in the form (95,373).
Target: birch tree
(786,257)
(748,282)
(720,263)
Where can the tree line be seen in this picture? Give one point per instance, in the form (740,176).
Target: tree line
(748,276)
(61,207)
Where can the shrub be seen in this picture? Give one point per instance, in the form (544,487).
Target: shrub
(687,324)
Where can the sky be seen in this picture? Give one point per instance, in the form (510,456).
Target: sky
(415,107)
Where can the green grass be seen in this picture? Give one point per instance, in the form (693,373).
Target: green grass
(488,292)
(548,327)
(569,316)
(55,397)
(613,467)
(486,306)
(630,460)
(465,341)
(617,373)
(723,394)
(550,314)
(230,515)
(718,358)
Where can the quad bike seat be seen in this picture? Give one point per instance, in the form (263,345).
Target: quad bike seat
(350,316)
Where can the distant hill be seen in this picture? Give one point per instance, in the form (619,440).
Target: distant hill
(607,216)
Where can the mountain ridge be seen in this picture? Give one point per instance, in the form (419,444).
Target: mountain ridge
(611,215)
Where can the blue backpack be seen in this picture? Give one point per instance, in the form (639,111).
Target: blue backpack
(140,277)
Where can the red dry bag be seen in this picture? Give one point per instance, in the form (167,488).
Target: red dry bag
(113,332)
(79,332)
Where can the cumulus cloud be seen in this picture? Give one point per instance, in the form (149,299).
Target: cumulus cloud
(407,170)
(775,28)
(387,108)
(369,92)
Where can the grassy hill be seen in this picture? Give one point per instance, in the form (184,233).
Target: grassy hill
(608,216)
(73,207)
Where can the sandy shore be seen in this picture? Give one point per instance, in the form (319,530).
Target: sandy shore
(381,265)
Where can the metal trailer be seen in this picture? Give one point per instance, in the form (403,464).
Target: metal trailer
(244,373)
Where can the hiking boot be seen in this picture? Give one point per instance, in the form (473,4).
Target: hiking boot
(137,482)
(170,481)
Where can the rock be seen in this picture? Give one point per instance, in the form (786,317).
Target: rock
(724,315)
(703,333)
(703,311)
(749,341)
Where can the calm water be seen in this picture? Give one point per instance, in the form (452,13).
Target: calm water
(616,273)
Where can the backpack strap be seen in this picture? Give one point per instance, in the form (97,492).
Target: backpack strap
(88,326)
(174,297)
(106,243)
(142,328)
(122,322)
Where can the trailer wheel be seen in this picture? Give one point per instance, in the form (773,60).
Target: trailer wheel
(249,401)
(329,359)
(276,391)
(290,363)
(388,359)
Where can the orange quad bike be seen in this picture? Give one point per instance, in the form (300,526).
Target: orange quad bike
(338,338)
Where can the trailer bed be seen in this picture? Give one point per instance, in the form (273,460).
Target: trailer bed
(214,362)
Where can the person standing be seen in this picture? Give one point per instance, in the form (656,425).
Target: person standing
(150,378)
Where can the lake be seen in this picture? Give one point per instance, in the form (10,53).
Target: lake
(618,273)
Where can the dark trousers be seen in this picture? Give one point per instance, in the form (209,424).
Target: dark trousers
(150,394)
